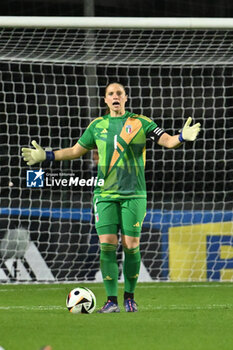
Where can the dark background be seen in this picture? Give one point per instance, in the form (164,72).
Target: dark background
(42,101)
(121,8)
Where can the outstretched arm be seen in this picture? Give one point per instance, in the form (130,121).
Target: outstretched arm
(37,155)
(188,133)
(169,141)
(70,153)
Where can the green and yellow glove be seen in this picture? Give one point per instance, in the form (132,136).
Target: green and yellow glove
(189,133)
(33,156)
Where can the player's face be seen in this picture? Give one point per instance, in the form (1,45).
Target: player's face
(115,98)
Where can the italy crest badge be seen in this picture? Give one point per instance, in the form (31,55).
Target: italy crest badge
(128,129)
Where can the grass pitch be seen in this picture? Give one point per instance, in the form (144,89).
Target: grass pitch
(172,316)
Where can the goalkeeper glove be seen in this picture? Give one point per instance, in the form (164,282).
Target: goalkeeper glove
(37,155)
(189,133)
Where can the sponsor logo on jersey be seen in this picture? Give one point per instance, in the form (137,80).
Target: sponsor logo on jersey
(158,131)
(128,129)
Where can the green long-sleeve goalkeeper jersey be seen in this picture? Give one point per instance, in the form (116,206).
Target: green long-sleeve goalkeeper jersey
(121,147)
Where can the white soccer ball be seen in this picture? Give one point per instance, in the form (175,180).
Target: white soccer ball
(81,300)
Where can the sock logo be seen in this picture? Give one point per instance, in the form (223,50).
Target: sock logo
(107,278)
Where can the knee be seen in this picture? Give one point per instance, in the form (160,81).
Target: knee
(108,239)
(129,242)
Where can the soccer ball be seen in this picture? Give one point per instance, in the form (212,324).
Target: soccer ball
(81,300)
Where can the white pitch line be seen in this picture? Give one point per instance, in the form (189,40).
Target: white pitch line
(142,308)
(161,285)
(36,308)
(188,307)
(29,288)
(187,286)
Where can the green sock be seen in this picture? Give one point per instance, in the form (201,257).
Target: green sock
(109,268)
(131,268)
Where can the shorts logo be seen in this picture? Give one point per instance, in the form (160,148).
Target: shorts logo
(137,224)
(35,178)
(128,129)
(97,217)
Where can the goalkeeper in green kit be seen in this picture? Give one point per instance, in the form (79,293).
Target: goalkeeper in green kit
(120,200)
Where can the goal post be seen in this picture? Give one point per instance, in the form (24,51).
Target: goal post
(53,74)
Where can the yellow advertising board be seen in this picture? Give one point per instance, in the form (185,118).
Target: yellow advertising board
(201,252)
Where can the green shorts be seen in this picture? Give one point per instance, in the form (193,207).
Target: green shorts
(126,215)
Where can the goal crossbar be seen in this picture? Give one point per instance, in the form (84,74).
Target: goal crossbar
(116,22)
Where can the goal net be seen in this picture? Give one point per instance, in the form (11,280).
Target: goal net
(52,87)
